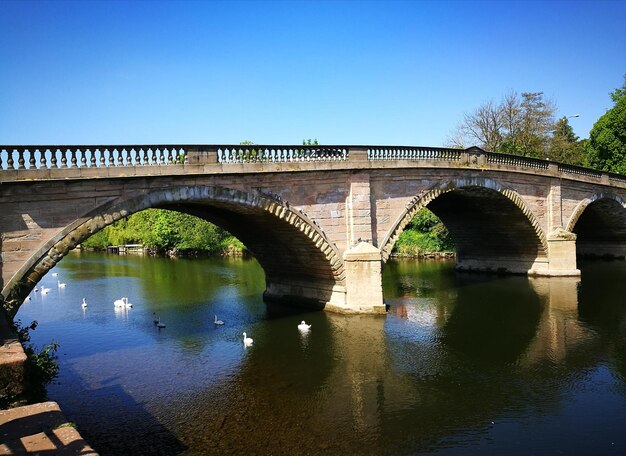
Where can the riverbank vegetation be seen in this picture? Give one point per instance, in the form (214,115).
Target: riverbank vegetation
(177,234)
(168,232)
(40,368)
(425,234)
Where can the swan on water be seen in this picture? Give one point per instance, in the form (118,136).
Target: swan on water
(123,302)
(218,322)
(54,274)
(60,285)
(155,318)
(84,304)
(159,324)
(45,290)
(247,341)
(303,326)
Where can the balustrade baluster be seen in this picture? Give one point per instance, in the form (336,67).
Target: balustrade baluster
(74,162)
(43,162)
(129,156)
(63,158)
(161,157)
(31,160)
(138,157)
(120,156)
(53,158)
(20,159)
(170,159)
(10,162)
(92,158)
(83,157)
(154,156)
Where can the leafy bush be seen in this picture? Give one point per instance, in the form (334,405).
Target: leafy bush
(41,365)
(425,233)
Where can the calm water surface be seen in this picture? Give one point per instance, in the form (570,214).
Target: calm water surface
(462,364)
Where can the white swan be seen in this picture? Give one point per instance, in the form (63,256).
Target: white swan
(45,291)
(54,274)
(60,285)
(159,324)
(218,322)
(303,326)
(120,302)
(247,341)
(84,304)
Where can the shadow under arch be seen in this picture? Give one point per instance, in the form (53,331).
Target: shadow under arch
(599,223)
(299,261)
(493,228)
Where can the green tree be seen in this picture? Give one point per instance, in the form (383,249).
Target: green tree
(606,147)
(517,125)
(565,146)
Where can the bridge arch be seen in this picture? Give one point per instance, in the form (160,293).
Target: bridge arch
(292,249)
(582,206)
(502,227)
(599,223)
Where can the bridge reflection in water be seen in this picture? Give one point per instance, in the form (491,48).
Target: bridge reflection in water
(461,363)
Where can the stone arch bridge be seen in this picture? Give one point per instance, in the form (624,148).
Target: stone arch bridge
(321,220)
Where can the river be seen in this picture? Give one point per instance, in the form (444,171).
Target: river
(462,364)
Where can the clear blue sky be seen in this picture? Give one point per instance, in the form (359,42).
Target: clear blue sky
(344,72)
